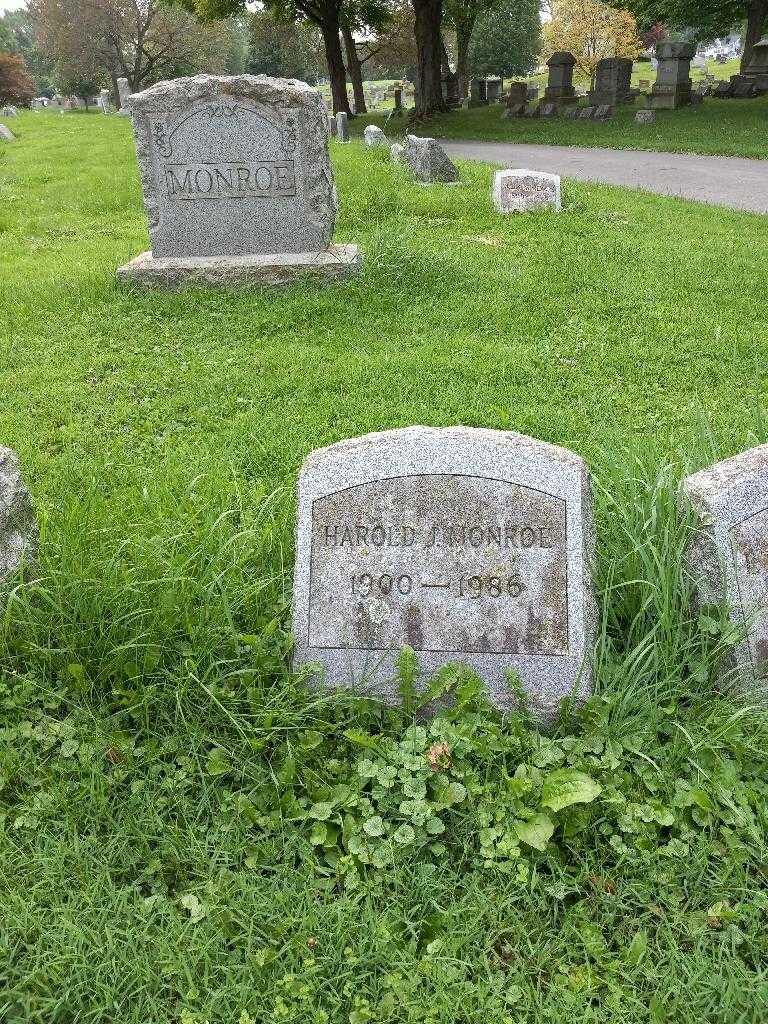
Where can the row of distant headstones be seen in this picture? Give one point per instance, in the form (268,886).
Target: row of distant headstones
(385,557)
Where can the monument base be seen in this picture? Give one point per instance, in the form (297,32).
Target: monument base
(273,269)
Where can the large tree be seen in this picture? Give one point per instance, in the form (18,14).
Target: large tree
(708,18)
(506,40)
(590,30)
(141,40)
(463,15)
(428,29)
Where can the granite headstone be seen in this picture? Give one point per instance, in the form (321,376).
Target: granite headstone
(521,191)
(728,556)
(374,136)
(467,545)
(235,170)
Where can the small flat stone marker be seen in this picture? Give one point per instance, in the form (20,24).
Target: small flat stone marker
(374,136)
(467,545)
(428,161)
(728,556)
(645,117)
(342,126)
(18,526)
(237,183)
(6,133)
(521,191)
(586,113)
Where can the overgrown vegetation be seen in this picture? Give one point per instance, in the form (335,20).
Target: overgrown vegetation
(189,832)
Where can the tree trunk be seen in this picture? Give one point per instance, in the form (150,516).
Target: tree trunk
(330,28)
(463,39)
(355,69)
(756,15)
(429,51)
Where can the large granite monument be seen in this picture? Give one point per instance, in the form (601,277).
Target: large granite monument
(237,183)
(755,74)
(613,82)
(672,88)
(467,545)
(728,556)
(560,88)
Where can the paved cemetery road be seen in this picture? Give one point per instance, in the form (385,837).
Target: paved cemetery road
(723,180)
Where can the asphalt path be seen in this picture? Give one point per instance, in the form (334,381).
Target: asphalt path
(736,182)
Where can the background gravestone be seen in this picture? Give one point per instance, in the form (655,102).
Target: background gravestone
(521,191)
(560,87)
(428,161)
(123,92)
(18,527)
(467,545)
(613,82)
(728,556)
(342,126)
(235,169)
(374,136)
(672,88)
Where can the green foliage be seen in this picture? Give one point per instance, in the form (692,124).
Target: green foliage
(709,19)
(283,49)
(506,40)
(172,796)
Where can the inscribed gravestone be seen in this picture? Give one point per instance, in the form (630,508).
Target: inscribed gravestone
(236,169)
(521,191)
(560,87)
(728,556)
(465,544)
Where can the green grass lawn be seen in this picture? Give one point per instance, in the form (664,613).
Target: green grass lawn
(720,127)
(183,828)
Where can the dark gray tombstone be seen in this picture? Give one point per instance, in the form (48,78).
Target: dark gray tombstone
(560,80)
(613,82)
(478,92)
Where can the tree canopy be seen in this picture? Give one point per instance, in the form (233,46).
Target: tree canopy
(16,84)
(506,40)
(591,31)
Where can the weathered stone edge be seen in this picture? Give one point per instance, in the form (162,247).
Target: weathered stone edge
(338,261)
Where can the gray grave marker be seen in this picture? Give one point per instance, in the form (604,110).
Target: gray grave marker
(728,556)
(467,545)
(521,191)
(237,183)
